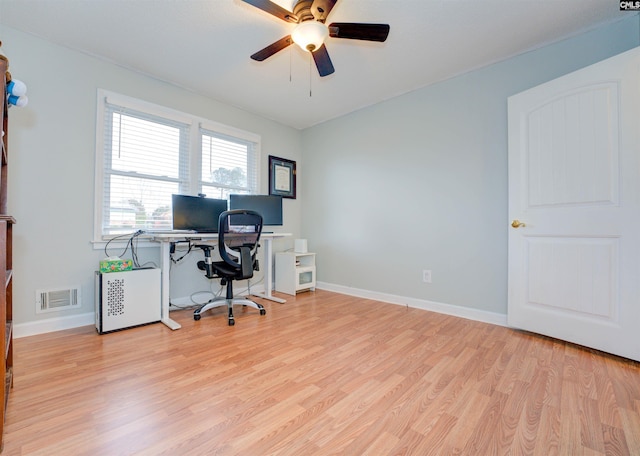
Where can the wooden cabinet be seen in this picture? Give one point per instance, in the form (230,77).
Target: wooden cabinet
(295,272)
(6,226)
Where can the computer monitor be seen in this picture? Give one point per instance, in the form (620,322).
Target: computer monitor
(196,213)
(269,206)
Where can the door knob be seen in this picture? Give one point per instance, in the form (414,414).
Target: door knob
(517,223)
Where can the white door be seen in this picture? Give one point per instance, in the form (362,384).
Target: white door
(574,184)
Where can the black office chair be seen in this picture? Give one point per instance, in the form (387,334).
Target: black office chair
(238,235)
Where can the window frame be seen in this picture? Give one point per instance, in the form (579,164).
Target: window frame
(194,160)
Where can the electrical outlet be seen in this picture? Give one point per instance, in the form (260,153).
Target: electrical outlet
(426,276)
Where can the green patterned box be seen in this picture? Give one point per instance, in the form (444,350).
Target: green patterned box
(115,265)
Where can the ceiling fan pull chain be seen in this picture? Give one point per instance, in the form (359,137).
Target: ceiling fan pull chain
(310,71)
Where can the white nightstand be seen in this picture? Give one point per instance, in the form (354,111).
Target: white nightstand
(295,272)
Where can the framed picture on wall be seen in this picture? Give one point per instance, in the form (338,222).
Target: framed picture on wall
(282,177)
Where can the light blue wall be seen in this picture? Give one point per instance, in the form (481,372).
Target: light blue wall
(420,181)
(52,150)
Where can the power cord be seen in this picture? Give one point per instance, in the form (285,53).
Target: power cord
(132,243)
(134,253)
(131,237)
(172,251)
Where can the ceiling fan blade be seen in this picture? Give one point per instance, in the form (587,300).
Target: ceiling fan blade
(272,49)
(323,61)
(321,9)
(273,9)
(354,31)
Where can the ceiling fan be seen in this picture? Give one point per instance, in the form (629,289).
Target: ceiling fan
(311,31)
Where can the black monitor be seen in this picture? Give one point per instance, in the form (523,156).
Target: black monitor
(269,206)
(197,213)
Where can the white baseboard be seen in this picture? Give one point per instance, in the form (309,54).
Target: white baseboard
(33,328)
(74,321)
(447,309)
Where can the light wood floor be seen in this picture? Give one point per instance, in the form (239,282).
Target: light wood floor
(322,374)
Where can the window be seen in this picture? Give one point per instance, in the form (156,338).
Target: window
(145,153)
(228,165)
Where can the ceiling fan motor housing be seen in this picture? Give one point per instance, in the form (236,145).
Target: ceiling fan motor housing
(302,10)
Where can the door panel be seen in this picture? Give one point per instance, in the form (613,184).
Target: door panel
(574,275)
(573,148)
(574,266)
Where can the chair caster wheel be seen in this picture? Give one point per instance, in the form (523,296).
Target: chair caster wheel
(232,322)
(196,317)
(263,312)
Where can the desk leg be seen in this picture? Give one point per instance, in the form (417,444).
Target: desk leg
(165,267)
(268,273)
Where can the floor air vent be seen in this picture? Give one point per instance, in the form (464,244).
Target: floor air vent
(56,300)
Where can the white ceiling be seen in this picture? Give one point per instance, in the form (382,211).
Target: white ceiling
(204,45)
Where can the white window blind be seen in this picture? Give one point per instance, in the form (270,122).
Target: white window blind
(146,159)
(229,165)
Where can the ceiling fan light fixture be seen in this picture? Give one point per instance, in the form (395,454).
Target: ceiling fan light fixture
(310,35)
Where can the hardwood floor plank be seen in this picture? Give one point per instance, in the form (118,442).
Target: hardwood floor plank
(485,439)
(570,429)
(531,415)
(631,427)
(467,412)
(548,437)
(592,435)
(615,442)
(322,374)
